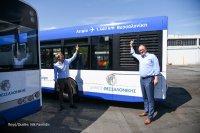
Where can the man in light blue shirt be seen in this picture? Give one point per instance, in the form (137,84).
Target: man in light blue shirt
(149,70)
(61,74)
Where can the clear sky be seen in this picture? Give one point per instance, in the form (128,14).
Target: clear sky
(183,15)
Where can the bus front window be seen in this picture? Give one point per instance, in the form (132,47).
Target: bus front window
(17,49)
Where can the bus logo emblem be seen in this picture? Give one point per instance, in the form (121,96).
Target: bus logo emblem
(5,85)
(111,79)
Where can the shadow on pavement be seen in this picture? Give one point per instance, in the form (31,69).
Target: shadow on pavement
(87,112)
(176,96)
(65,121)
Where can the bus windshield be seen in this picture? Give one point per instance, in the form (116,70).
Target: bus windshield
(17,47)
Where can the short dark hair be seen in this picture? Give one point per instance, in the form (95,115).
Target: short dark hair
(58,55)
(143,45)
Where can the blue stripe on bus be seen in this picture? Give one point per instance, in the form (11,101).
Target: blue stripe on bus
(8,39)
(23,37)
(126,26)
(100,95)
(20,111)
(113,97)
(48,89)
(104,96)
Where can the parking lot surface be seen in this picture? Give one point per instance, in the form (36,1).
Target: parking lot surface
(180,112)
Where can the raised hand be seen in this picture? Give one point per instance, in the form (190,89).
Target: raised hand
(131,43)
(77,47)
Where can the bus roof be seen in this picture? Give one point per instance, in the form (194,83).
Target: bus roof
(125,26)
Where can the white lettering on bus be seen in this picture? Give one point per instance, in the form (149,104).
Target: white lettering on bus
(120,89)
(82,31)
(130,26)
(12,92)
(106,28)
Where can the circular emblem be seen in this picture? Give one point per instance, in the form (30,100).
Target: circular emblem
(111,79)
(5,85)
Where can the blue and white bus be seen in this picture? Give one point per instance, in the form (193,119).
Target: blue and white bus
(20,82)
(104,67)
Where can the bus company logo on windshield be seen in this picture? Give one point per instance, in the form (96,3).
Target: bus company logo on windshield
(5,85)
(111,79)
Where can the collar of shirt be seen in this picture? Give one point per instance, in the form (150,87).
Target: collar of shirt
(60,63)
(145,55)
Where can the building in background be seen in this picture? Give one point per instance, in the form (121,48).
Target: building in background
(183,49)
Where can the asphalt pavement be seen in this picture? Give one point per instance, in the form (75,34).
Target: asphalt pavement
(180,112)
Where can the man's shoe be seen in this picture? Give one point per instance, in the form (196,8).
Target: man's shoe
(72,106)
(147,121)
(143,114)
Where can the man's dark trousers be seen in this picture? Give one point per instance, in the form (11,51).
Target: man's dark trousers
(64,84)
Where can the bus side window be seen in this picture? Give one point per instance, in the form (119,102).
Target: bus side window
(101,53)
(6,55)
(81,61)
